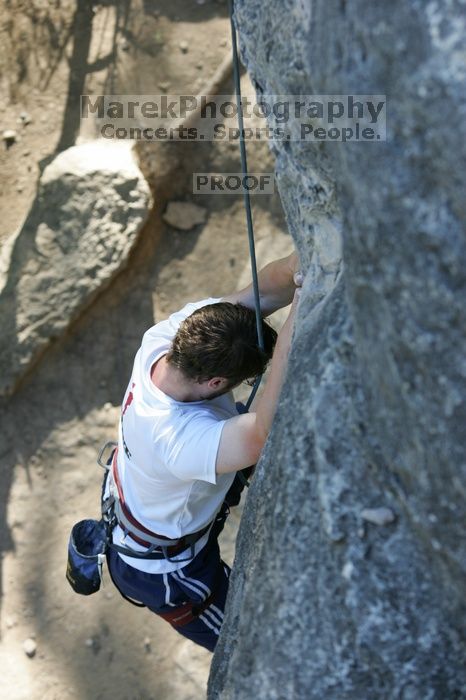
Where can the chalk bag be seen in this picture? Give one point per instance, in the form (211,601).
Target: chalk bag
(86,555)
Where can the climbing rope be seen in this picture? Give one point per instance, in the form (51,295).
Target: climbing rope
(247,206)
(246,197)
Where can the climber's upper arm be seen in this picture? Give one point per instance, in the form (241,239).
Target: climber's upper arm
(240,444)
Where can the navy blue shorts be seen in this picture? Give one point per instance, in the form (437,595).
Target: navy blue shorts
(206,576)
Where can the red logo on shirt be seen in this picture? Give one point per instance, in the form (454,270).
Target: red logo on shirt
(129,400)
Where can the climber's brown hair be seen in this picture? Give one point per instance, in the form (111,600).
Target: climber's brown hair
(220,340)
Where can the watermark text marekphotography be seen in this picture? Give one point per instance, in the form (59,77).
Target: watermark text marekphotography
(214,117)
(233,183)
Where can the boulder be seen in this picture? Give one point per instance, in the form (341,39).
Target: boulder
(91,204)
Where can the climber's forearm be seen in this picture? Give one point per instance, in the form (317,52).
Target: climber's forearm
(266,404)
(276,286)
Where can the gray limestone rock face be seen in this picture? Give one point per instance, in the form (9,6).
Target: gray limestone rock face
(351,557)
(91,204)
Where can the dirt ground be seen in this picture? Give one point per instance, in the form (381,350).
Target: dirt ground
(51,429)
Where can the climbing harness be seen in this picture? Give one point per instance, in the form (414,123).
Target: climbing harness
(91,540)
(116,511)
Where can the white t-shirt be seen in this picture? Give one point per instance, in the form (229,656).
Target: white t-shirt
(167,451)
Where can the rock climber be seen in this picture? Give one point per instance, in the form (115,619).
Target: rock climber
(182,441)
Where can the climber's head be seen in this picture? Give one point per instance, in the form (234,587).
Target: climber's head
(217,345)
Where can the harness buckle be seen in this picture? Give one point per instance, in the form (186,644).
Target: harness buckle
(177,561)
(110,445)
